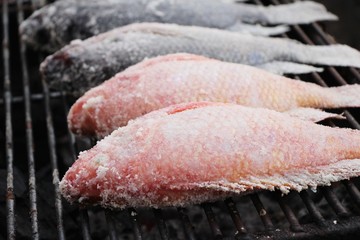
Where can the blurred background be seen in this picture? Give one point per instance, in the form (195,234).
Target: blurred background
(346,30)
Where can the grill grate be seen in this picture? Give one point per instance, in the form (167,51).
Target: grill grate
(49,142)
(10,197)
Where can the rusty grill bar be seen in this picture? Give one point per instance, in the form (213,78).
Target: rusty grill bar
(10,197)
(224,220)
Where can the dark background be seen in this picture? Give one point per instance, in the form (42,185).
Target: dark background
(347,29)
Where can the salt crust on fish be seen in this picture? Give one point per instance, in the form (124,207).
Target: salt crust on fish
(199,152)
(172,79)
(85,64)
(56,24)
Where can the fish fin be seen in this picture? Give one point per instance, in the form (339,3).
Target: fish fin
(281,67)
(331,55)
(177,108)
(168,58)
(293,13)
(232,1)
(312,114)
(152,28)
(257,29)
(347,95)
(298,180)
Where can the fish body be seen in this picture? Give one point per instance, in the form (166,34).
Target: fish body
(85,64)
(55,25)
(197,152)
(172,79)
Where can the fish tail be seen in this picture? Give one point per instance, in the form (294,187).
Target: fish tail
(312,114)
(347,96)
(257,29)
(295,13)
(332,55)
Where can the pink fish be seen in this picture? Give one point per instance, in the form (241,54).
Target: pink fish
(196,152)
(173,79)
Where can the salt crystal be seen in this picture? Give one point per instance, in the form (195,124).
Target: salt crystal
(91,102)
(101,158)
(101,171)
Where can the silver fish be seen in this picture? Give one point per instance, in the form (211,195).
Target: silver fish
(55,25)
(84,64)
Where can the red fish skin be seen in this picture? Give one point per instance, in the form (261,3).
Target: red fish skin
(173,79)
(175,157)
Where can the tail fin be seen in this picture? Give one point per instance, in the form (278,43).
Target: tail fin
(312,115)
(336,55)
(293,13)
(168,58)
(257,29)
(347,96)
(282,67)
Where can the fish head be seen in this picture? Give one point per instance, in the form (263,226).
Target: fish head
(43,30)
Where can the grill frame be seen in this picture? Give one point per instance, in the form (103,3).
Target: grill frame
(321,228)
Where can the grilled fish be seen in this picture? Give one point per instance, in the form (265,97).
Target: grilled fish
(57,24)
(84,64)
(166,80)
(198,152)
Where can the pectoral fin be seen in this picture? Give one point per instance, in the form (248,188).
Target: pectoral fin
(312,114)
(280,67)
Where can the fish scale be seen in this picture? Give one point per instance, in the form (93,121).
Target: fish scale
(55,25)
(84,64)
(209,151)
(159,82)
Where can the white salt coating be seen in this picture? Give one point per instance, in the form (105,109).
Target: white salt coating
(55,25)
(114,51)
(313,115)
(101,172)
(172,79)
(93,101)
(209,152)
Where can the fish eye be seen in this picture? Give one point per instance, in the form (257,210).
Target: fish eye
(43,36)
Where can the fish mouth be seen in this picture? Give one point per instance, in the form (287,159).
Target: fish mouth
(42,36)
(34,34)
(80,121)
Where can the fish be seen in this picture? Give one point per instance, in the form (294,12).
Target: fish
(56,24)
(203,152)
(85,64)
(176,78)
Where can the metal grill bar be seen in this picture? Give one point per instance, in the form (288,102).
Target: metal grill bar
(262,212)
(188,228)
(234,213)
(313,210)
(133,215)
(215,228)
(334,202)
(111,225)
(85,226)
(164,233)
(33,97)
(54,162)
(353,190)
(29,136)
(290,216)
(84,217)
(10,197)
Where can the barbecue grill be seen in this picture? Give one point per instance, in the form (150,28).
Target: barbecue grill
(37,148)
